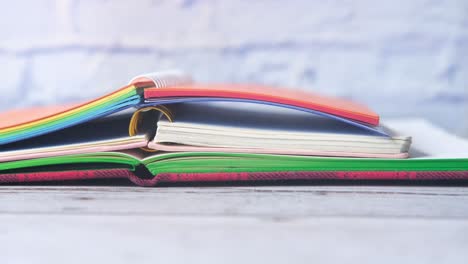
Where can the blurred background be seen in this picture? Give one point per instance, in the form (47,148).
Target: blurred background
(402,58)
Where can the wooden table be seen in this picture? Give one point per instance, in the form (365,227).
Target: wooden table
(269,224)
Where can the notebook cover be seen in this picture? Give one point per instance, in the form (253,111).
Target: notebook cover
(167,101)
(234,176)
(29,123)
(26,115)
(19,117)
(301,175)
(334,106)
(64,175)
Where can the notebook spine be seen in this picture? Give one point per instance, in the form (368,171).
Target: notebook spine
(300,175)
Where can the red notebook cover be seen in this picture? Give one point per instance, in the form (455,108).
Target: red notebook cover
(329,105)
(65,175)
(232,177)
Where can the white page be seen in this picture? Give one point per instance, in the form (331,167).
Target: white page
(257,116)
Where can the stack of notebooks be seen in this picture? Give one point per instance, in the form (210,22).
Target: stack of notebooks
(163,127)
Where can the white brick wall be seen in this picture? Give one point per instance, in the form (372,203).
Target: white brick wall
(401,57)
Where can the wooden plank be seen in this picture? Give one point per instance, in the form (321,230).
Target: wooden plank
(301,224)
(277,201)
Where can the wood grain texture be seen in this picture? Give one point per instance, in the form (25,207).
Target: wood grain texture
(276,224)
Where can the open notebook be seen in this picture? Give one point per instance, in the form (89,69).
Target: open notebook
(164,127)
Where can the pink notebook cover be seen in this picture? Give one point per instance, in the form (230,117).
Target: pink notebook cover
(232,177)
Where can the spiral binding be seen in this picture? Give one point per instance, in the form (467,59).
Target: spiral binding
(137,119)
(160,79)
(164,79)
